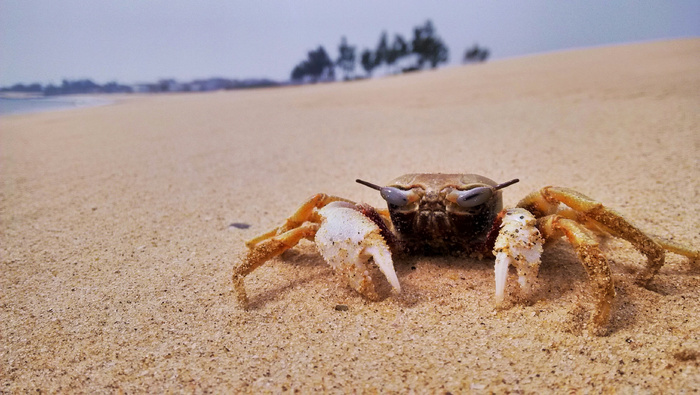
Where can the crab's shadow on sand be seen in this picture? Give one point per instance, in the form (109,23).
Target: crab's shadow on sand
(561,277)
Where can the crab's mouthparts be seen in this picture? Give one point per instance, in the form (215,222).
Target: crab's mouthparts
(432,221)
(432,207)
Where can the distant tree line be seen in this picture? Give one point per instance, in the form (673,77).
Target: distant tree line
(425,48)
(69,87)
(202,85)
(86,86)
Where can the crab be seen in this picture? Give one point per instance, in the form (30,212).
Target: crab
(458,213)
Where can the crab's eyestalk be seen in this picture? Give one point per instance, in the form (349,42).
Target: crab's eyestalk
(471,197)
(506,184)
(476,196)
(368,184)
(394,196)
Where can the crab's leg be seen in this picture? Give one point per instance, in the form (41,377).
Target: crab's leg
(384,213)
(586,245)
(266,250)
(304,213)
(547,199)
(668,245)
(302,224)
(677,248)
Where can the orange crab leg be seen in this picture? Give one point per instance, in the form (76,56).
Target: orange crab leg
(303,224)
(384,213)
(546,201)
(586,245)
(668,245)
(304,213)
(266,250)
(677,248)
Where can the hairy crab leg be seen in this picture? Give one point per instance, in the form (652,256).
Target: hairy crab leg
(384,213)
(546,201)
(303,214)
(585,243)
(303,224)
(677,248)
(266,250)
(668,245)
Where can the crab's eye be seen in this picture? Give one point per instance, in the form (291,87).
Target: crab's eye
(395,196)
(471,197)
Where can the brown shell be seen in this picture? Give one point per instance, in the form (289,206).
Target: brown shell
(435,225)
(437,181)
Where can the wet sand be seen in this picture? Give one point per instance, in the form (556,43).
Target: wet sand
(117,244)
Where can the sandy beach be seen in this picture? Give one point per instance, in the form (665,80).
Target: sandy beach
(117,244)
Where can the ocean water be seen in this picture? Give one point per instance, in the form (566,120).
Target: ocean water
(10,106)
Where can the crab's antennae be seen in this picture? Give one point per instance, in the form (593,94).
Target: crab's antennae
(368,184)
(505,184)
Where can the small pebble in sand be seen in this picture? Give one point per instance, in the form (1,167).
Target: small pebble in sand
(342,307)
(239,225)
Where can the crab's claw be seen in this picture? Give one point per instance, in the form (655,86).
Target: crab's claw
(519,243)
(349,241)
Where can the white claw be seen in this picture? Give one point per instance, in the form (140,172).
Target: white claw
(348,240)
(519,243)
(382,257)
(501,268)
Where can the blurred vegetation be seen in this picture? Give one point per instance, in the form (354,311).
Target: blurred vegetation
(68,87)
(86,86)
(476,54)
(426,48)
(317,67)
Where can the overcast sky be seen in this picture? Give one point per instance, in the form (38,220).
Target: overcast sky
(134,41)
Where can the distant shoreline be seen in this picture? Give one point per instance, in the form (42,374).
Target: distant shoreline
(20,95)
(15,104)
